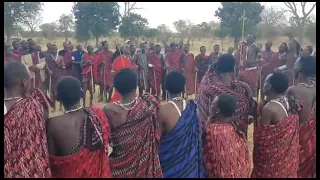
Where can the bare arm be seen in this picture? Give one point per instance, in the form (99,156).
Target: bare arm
(50,130)
(266,116)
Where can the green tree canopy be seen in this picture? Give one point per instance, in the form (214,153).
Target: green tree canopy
(96,18)
(65,24)
(133,25)
(231,16)
(19,13)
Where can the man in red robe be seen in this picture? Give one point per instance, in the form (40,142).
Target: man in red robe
(25,142)
(9,55)
(105,76)
(16,50)
(67,58)
(276,133)
(135,130)
(84,152)
(225,152)
(156,64)
(270,61)
(172,59)
(202,63)
(305,91)
(87,62)
(120,62)
(189,70)
(220,79)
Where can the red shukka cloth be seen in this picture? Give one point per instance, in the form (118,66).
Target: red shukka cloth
(307,139)
(136,142)
(86,163)
(276,148)
(226,154)
(25,143)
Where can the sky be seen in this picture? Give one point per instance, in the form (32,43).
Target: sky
(156,12)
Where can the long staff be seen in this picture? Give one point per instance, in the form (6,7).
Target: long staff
(92,79)
(242,35)
(195,83)
(50,86)
(155,81)
(104,82)
(144,81)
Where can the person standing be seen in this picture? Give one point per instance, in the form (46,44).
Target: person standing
(276,132)
(172,59)
(143,69)
(220,79)
(305,91)
(249,71)
(202,64)
(120,62)
(25,142)
(215,54)
(87,62)
(105,75)
(180,144)
(135,130)
(79,135)
(188,65)
(55,71)
(156,64)
(270,61)
(225,152)
(76,60)
(16,50)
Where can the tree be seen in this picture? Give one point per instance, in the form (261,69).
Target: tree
(311,31)
(96,18)
(274,22)
(151,32)
(65,24)
(129,7)
(231,16)
(183,28)
(221,33)
(33,21)
(205,29)
(300,21)
(164,33)
(49,29)
(132,26)
(17,14)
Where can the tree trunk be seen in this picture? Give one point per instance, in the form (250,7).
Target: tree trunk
(221,40)
(97,40)
(8,37)
(235,43)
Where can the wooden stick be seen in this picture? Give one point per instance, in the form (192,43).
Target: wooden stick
(50,86)
(155,81)
(144,81)
(195,83)
(92,79)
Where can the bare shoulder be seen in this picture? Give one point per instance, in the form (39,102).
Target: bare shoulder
(163,111)
(108,108)
(52,124)
(291,91)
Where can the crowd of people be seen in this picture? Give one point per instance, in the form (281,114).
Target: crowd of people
(133,135)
